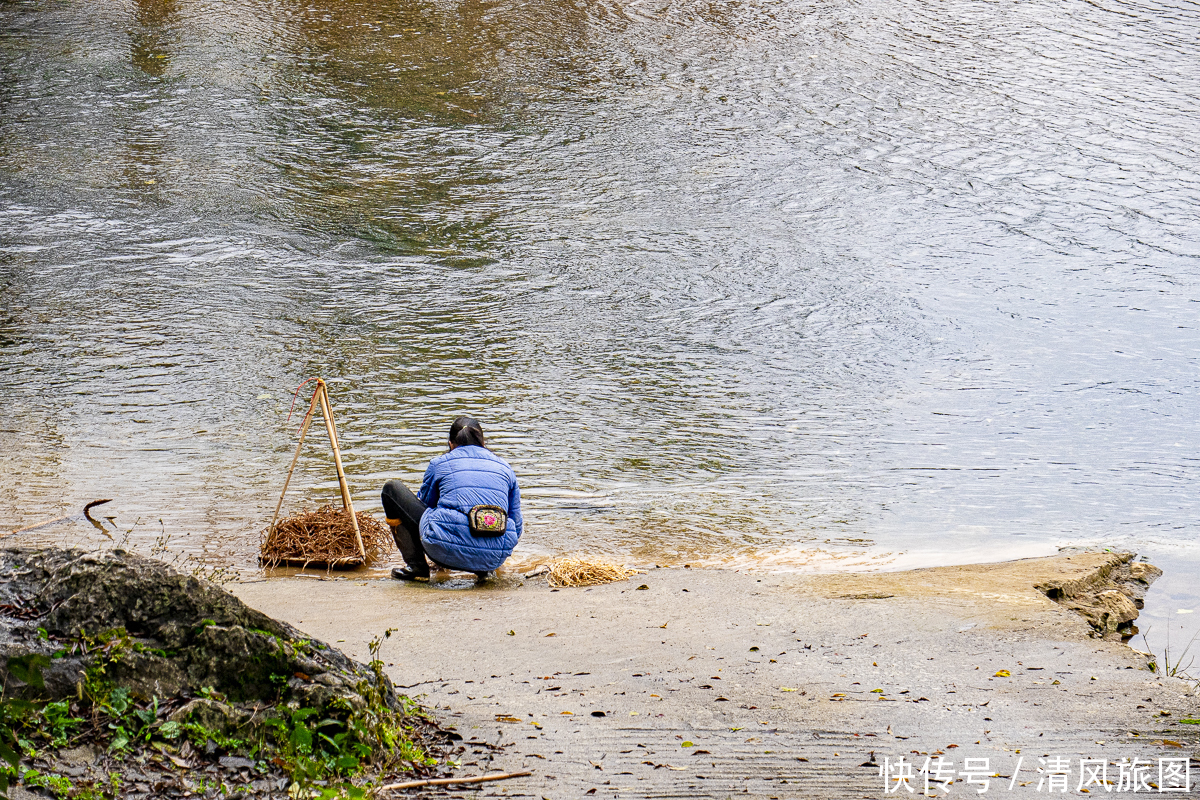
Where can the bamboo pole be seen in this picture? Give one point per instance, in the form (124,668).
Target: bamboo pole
(312,407)
(499,776)
(327,411)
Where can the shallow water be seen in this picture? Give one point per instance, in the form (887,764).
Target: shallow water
(796,284)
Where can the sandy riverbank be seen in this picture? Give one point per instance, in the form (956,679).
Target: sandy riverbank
(785,685)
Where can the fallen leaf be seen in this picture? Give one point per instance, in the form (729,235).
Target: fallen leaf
(701,753)
(665,625)
(786,689)
(572,713)
(642,587)
(753,649)
(591,790)
(1002,674)
(598,714)
(506,718)
(512,633)
(548,635)
(687,744)
(877,691)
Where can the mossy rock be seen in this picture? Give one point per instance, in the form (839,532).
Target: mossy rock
(177,634)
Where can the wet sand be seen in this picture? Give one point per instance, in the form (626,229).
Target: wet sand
(784,685)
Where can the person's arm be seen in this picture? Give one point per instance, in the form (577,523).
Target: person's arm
(514,506)
(429,488)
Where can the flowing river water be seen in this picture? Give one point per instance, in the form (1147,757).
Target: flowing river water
(785,283)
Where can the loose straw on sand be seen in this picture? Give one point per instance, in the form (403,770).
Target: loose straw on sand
(577,572)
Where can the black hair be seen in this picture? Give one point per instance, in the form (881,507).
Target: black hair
(467,431)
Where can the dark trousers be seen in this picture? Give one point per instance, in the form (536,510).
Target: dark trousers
(401,504)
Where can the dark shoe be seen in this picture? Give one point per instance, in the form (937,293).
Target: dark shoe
(482,576)
(407,574)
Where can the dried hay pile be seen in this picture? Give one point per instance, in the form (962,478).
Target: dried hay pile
(577,572)
(323,538)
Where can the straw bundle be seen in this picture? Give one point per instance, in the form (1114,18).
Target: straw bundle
(577,572)
(323,538)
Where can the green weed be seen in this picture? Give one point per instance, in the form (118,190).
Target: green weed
(1172,666)
(59,785)
(326,752)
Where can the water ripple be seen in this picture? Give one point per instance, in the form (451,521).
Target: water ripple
(728,282)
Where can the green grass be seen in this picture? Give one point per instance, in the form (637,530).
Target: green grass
(328,753)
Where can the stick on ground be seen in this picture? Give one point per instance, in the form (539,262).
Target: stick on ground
(498,776)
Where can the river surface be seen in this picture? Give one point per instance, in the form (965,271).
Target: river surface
(787,283)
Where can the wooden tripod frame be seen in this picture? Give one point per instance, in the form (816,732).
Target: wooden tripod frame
(321,397)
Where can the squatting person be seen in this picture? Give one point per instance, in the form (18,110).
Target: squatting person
(467,514)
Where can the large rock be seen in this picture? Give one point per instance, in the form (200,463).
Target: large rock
(184,634)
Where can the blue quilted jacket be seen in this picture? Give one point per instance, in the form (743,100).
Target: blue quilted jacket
(468,476)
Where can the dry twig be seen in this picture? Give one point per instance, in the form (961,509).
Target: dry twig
(497,776)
